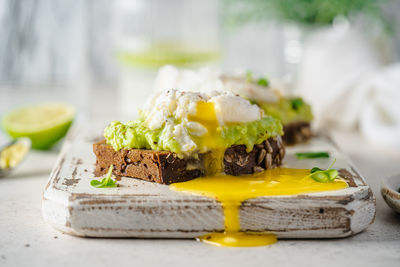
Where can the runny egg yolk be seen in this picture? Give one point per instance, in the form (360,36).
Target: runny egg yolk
(231,191)
(206,116)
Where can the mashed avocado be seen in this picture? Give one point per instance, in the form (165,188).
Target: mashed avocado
(135,134)
(288,110)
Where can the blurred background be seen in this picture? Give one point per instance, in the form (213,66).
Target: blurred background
(103,56)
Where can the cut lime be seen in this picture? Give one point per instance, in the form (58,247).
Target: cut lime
(44,124)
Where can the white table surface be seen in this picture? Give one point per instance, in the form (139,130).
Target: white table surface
(26,240)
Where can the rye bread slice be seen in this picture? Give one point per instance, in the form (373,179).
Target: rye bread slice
(296,132)
(165,167)
(154,166)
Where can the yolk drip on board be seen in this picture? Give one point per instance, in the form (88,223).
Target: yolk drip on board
(231,191)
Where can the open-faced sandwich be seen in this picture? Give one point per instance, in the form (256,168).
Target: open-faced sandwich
(183,135)
(228,144)
(294,113)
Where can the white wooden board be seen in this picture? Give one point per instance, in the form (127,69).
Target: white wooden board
(148,210)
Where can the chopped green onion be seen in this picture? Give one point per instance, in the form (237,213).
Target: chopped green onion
(312,155)
(106,182)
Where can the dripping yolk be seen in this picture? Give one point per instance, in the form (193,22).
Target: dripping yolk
(211,141)
(206,116)
(231,191)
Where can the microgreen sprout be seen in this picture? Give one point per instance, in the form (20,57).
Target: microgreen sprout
(106,182)
(324,176)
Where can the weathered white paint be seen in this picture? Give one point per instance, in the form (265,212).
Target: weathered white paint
(142,209)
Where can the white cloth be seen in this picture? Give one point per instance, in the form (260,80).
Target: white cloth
(343,78)
(379,118)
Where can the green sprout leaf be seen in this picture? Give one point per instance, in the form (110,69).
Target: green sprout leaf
(332,174)
(320,176)
(106,182)
(316,169)
(249,77)
(324,176)
(296,103)
(263,82)
(312,155)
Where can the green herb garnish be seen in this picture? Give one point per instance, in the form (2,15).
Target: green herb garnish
(249,77)
(312,155)
(324,176)
(263,82)
(316,169)
(106,182)
(296,103)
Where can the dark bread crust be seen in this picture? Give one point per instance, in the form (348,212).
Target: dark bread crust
(165,167)
(296,132)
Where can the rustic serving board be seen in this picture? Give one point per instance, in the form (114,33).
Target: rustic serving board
(143,209)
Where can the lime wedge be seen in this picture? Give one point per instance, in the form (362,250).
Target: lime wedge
(44,124)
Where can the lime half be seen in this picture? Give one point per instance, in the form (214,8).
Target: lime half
(44,124)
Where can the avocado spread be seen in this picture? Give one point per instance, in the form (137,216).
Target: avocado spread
(135,134)
(288,110)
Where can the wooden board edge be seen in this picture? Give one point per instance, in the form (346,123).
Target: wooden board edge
(62,220)
(359,212)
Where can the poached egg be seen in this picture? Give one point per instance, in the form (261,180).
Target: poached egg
(193,115)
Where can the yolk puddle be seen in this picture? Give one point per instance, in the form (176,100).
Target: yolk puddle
(231,191)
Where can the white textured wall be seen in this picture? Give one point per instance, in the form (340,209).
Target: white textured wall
(54,41)
(60,41)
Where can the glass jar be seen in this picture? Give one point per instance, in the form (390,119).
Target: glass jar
(153,33)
